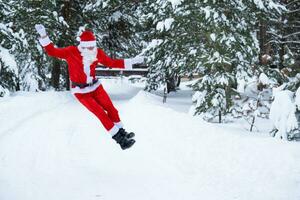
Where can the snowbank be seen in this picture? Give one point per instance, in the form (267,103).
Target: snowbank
(58,150)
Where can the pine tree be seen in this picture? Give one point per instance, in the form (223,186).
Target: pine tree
(168,51)
(34,72)
(10,40)
(215,39)
(284,36)
(116,25)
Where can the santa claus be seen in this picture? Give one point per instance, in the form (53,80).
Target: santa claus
(82,61)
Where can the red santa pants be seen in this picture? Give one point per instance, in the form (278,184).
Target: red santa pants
(99,103)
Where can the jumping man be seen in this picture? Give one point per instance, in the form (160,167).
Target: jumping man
(82,61)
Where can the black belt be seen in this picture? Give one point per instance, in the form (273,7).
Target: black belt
(83,85)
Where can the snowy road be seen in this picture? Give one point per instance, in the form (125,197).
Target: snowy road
(53,148)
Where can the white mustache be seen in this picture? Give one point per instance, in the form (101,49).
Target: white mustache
(89,56)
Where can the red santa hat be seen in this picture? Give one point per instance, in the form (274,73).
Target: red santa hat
(87,39)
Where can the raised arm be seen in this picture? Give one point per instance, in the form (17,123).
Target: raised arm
(51,50)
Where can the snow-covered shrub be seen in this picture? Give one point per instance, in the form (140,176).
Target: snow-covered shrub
(211,97)
(254,98)
(30,83)
(282,114)
(8,71)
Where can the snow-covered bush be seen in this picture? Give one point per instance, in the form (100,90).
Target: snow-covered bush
(30,83)
(282,114)
(213,101)
(8,72)
(254,98)
(218,44)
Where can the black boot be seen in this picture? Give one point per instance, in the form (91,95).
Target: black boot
(128,135)
(121,138)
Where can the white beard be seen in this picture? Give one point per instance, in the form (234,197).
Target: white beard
(88,56)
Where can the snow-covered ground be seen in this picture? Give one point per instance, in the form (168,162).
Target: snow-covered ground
(53,148)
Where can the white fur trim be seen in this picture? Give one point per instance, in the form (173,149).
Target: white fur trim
(86,89)
(87,71)
(88,43)
(45,41)
(113,131)
(128,64)
(87,62)
(119,124)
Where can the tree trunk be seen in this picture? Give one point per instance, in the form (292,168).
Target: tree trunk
(67,80)
(57,66)
(172,82)
(41,84)
(282,40)
(281,54)
(55,74)
(262,39)
(252,123)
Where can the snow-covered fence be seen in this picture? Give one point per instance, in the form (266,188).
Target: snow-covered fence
(140,70)
(137,73)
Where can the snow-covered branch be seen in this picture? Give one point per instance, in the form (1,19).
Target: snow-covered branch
(292,34)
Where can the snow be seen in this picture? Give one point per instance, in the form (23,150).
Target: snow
(116,16)
(259,4)
(31,82)
(8,60)
(4,92)
(263,78)
(279,8)
(216,55)
(297,98)
(151,45)
(91,6)
(56,149)
(213,37)
(223,80)
(165,24)
(175,3)
(250,89)
(216,15)
(282,113)
(207,11)
(193,52)
(160,26)
(199,98)
(241,84)
(168,23)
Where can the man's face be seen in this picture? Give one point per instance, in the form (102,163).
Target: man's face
(89,53)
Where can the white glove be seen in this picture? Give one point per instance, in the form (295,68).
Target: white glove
(137,59)
(40,29)
(131,61)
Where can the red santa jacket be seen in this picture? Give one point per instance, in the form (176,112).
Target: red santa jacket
(75,64)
